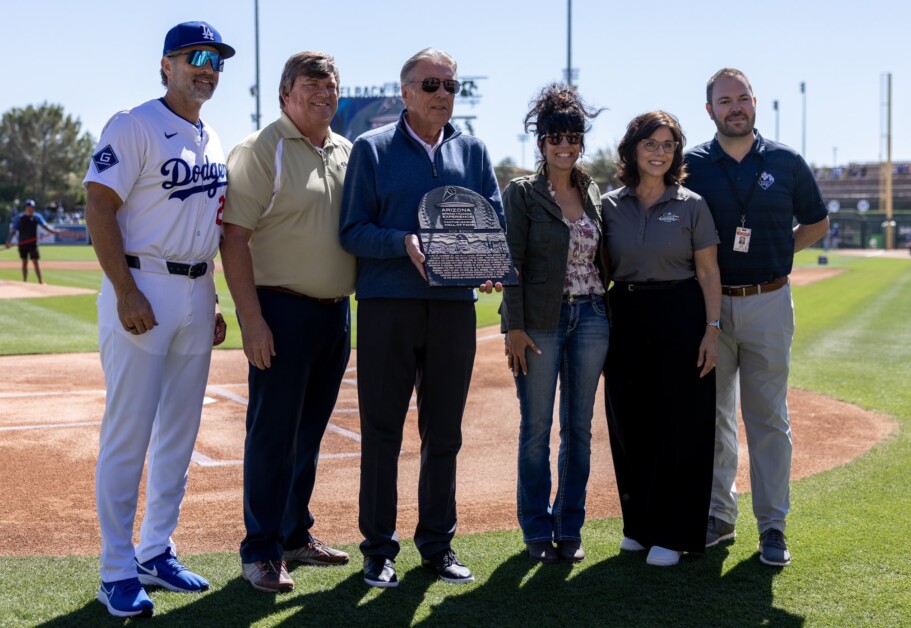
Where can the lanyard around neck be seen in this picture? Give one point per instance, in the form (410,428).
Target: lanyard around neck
(743,203)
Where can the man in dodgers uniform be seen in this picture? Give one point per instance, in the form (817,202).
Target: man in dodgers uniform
(156,190)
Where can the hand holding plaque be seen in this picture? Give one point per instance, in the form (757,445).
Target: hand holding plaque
(462,240)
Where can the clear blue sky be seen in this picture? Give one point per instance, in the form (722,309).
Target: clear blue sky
(99,56)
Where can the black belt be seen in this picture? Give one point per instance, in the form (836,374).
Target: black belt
(329,301)
(633,286)
(175,268)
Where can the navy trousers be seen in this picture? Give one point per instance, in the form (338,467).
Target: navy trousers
(290,406)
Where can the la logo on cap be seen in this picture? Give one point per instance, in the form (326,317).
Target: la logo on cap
(207,33)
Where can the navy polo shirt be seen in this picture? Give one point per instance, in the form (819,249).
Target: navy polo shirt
(783,189)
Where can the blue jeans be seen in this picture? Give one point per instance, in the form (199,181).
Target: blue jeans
(575,351)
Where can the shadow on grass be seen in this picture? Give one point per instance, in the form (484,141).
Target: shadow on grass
(621,590)
(237,604)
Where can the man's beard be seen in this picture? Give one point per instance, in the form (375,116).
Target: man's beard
(729,130)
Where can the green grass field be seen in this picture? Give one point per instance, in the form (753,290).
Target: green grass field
(69,324)
(849,528)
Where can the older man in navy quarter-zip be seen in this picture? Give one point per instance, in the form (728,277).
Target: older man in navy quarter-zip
(409,334)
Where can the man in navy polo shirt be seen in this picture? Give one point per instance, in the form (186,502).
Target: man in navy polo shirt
(755,189)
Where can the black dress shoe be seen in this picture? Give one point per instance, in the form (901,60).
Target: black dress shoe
(571,551)
(379,571)
(448,567)
(542,551)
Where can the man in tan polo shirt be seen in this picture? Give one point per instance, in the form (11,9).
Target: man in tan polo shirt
(290,280)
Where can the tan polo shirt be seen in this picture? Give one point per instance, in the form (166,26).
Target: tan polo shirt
(289,194)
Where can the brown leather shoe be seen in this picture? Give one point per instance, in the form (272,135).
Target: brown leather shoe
(542,551)
(571,551)
(270,576)
(316,553)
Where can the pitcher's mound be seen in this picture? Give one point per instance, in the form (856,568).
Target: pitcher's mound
(23,290)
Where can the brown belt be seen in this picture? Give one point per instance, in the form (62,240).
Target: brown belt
(329,301)
(759,288)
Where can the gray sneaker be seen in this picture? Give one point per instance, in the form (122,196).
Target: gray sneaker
(718,530)
(773,549)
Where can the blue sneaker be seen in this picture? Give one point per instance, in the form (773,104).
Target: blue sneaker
(166,571)
(125,598)
(773,548)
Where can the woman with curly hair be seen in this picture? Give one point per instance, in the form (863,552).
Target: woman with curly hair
(665,304)
(556,322)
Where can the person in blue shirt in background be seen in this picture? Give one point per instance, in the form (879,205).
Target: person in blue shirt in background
(26,225)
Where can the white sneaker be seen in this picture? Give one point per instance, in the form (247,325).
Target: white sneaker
(631,545)
(662,557)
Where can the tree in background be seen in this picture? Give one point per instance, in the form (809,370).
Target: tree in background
(507,170)
(602,167)
(43,155)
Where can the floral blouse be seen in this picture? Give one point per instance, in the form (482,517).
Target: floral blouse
(582,276)
(581,273)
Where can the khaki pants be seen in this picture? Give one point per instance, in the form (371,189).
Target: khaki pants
(754,356)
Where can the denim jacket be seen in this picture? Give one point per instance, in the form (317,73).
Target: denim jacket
(539,244)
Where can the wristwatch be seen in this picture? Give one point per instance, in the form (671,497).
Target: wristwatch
(716,324)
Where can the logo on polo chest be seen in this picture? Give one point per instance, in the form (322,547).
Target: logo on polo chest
(187,180)
(668,217)
(766,180)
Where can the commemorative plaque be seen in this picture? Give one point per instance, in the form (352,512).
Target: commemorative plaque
(462,240)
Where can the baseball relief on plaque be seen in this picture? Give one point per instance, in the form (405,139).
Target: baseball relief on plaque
(462,240)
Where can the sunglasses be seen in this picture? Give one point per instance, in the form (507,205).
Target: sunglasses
(199,58)
(431,85)
(555,139)
(652,146)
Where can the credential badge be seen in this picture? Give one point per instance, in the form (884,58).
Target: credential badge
(766,180)
(105,158)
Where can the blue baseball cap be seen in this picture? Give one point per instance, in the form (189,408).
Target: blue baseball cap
(30,203)
(195,34)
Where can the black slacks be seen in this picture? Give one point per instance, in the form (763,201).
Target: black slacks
(403,345)
(661,415)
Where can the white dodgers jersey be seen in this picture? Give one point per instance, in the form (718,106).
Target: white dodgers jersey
(171,177)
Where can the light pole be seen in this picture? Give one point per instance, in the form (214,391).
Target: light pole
(803,140)
(257,116)
(775,107)
(523,139)
(569,42)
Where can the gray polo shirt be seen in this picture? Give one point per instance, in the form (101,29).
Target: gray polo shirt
(658,244)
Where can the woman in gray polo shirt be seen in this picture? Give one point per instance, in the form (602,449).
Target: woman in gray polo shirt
(556,322)
(665,303)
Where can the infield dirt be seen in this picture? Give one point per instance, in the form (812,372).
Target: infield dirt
(51,407)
